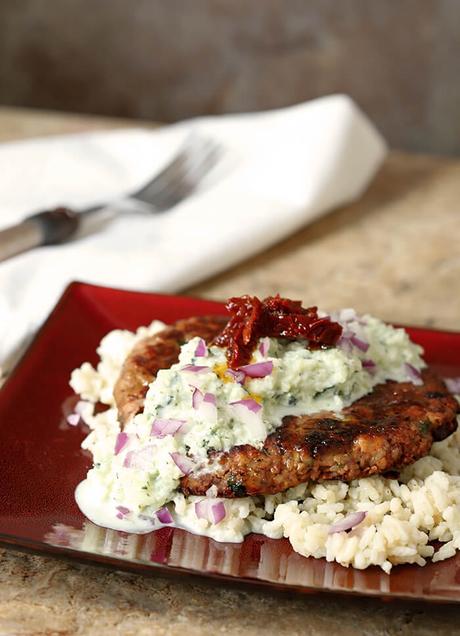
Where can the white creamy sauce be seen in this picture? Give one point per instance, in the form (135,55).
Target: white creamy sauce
(98,509)
(143,475)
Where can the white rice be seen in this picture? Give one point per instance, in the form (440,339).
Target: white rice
(403,516)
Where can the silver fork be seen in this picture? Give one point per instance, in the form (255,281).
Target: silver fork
(178,179)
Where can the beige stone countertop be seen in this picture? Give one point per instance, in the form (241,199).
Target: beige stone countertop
(395,253)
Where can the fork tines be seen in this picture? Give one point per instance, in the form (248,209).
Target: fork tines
(180,178)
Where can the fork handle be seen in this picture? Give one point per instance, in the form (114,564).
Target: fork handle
(45,228)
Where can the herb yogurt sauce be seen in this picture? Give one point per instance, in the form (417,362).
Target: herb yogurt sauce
(197,406)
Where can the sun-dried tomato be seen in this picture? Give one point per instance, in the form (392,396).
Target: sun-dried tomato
(276,317)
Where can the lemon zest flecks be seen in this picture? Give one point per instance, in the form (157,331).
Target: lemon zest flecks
(220,370)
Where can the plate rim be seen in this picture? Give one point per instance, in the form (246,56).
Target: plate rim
(69,554)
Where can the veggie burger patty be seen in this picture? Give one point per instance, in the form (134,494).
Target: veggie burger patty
(387,429)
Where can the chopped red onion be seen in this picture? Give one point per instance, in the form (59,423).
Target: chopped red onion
(128,461)
(197,398)
(73,419)
(201,509)
(344,342)
(163,427)
(453,384)
(120,442)
(209,398)
(141,459)
(349,339)
(249,413)
(248,403)
(348,522)
(369,365)
(122,512)
(212,511)
(414,374)
(362,345)
(350,315)
(183,463)
(217,512)
(258,369)
(193,368)
(238,376)
(201,350)
(164,516)
(264,346)
(212,491)
(347,315)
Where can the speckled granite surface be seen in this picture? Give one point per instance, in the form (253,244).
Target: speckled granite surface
(396,253)
(41,597)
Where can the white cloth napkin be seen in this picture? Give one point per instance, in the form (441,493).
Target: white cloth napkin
(281,170)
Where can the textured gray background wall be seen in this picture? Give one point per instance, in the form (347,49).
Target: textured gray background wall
(170,59)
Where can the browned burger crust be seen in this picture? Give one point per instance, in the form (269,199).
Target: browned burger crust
(390,428)
(154,353)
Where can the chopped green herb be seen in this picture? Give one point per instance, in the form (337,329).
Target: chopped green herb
(237,488)
(424,427)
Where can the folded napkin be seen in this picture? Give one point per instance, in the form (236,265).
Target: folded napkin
(282,169)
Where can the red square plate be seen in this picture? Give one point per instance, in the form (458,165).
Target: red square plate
(41,463)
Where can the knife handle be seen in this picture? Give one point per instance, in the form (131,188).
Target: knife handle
(45,228)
